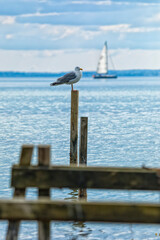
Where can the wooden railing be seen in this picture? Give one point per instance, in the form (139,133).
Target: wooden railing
(44,177)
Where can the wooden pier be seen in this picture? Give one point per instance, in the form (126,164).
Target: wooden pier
(44,177)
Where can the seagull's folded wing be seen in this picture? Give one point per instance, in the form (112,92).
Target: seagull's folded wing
(67,77)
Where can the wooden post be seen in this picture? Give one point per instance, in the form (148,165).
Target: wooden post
(83,141)
(83,150)
(44,160)
(25,160)
(74,127)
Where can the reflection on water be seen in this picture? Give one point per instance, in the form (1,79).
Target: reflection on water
(82,229)
(78,227)
(73,195)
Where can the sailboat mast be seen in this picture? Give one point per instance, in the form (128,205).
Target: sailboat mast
(106,56)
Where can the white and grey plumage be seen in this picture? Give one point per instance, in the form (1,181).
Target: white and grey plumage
(69,78)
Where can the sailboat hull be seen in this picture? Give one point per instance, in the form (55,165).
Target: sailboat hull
(104,76)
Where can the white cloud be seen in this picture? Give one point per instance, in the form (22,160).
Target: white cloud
(65,60)
(39,14)
(7,19)
(115,28)
(108,2)
(126,28)
(155,18)
(148,4)
(59,31)
(42,1)
(136,59)
(9,36)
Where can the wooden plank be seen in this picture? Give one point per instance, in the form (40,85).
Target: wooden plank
(26,155)
(19,209)
(25,160)
(74,127)
(83,151)
(86,177)
(44,160)
(44,155)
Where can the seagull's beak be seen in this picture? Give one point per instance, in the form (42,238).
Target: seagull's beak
(81,68)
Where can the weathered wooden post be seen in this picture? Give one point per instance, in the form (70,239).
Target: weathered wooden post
(83,150)
(25,160)
(44,160)
(74,127)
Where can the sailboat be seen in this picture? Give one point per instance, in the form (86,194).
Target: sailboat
(102,68)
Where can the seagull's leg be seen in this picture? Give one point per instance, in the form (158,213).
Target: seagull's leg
(72,86)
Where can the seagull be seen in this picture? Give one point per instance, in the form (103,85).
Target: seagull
(69,78)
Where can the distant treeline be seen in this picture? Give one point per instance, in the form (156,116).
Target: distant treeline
(138,73)
(120,73)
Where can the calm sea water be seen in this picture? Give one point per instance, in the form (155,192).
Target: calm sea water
(124,130)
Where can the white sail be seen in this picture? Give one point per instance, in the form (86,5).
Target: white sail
(103,61)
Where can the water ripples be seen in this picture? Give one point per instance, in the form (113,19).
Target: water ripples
(123,131)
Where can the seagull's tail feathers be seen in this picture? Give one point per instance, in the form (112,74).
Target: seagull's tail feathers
(55,83)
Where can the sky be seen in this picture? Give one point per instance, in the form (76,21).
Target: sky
(57,35)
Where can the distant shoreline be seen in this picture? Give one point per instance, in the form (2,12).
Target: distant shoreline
(120,73)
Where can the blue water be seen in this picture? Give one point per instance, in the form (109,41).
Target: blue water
(124,130)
